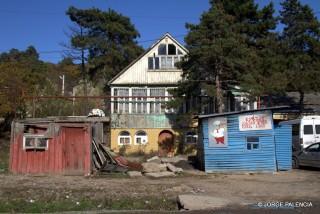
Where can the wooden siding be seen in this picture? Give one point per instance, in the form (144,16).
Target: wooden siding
(69,152)
(283,137)
(236,157)
(138,73)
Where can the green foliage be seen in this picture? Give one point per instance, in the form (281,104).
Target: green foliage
(231,46)
(301,47)
(21,72)
(109,39)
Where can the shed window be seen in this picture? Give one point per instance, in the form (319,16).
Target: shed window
(141,138)
(38,142)
(124,138)
(253,143)
(191,138)
(308,129)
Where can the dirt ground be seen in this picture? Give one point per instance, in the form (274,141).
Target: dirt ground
(296,186)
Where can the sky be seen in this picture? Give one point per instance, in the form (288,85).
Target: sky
(44,24)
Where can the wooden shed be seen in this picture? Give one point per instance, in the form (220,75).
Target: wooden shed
(54,145)
(244,141)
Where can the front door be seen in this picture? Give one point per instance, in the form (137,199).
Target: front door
(166,143)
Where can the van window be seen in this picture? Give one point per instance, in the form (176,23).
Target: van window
(317,129)
(307,129)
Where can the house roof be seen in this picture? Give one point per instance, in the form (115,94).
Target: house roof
(246,111)
(146,52)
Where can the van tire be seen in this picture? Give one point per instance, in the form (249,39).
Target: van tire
(295,163)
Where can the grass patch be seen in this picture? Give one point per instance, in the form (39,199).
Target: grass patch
(29,206)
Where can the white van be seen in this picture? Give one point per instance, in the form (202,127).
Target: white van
(305,131)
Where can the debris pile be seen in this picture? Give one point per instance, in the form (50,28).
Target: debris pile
(104,160)
(157,168)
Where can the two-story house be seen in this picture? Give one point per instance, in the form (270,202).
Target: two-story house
(140,121)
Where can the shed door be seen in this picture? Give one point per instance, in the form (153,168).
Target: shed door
(74,150)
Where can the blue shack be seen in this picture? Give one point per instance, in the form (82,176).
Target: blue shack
(244,141)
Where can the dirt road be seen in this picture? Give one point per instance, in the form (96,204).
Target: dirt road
(295,186)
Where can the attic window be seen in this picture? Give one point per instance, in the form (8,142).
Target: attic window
(162,49)
(35,142)
(153,63)
(172,49)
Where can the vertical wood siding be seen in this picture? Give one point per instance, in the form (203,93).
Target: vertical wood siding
(69,152)
(236,157)
(283,137)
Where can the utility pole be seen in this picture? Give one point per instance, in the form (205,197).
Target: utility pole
(62,78)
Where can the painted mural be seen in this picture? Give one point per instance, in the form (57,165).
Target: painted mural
(218,132)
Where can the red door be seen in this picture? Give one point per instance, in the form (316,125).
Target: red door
(166,143)
(74,150)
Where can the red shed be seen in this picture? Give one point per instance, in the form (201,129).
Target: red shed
(54,145)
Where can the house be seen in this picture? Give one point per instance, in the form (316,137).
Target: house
(140,122)
(244,141)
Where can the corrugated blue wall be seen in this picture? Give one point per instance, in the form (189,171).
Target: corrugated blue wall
(283,136)
(236,157)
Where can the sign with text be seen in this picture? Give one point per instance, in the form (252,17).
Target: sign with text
(218,133)
(261,121)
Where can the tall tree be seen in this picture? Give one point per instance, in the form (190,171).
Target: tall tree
(301,42)
(110,39)
(223,48)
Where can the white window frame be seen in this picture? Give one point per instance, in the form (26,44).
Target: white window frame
(144,138)
(36,146)
(124,137)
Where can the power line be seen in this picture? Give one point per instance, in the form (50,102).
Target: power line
(67,50)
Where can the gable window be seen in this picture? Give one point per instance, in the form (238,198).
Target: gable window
(37,142)
(153,63)
(172,49)
(162,49)
(121,103)
(124,138)
(191,138)
(139,100)
(141,138)
(253,143)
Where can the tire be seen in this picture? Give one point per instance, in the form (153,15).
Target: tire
(295,163)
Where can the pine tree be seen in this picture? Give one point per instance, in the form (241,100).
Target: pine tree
(301,42)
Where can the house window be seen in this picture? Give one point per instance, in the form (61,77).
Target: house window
(140,138)
(172,49)
(191,138)
(124,138)
(121,103)
(156,102)
(38,142)
(162,49)
(139,100)
(153,63)
(253,143)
